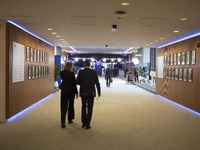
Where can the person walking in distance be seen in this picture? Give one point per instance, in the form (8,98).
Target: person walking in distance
(87,79)
(108,76)
(68,92)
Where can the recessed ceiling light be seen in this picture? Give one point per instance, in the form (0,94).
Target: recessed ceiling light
(156,41)
(49,29)
(54,16)
(62,39)
(151,43)
(54,33)
(183,19)
(58,36)
(176,31)
(161,38)
(125,4)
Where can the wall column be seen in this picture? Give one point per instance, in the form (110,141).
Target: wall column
(2,71)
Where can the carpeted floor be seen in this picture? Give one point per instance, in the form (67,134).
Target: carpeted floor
(125,117)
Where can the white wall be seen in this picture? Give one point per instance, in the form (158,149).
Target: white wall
(146,55)
(2,70)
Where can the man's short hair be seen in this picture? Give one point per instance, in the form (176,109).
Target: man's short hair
(87,62)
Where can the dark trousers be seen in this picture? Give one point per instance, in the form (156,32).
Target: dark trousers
(67,103)
(108,82)
(87,108)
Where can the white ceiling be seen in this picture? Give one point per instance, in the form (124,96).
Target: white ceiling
(86,24)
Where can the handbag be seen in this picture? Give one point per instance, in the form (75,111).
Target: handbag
(111,80)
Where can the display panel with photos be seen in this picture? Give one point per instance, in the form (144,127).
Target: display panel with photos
(29,72)
(44,71)
(168,59)
(165,59)
(193,57)
(39,71)
(27,53)
(171,61)
(48,71)
(166,73)
(169,74)
(40,56)
(31,54)
(172,73)
(176,74)
(42,75)
(180,74)
(175,59)
(33,72)
(184,74)
(36,71)
(190,75)
(34,54)
(187,57)
(183,58)
(179,58)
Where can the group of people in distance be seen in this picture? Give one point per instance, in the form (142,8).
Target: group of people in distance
(87,79)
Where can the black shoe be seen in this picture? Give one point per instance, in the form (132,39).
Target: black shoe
(63,125)
(83,126)
(70,122)
(88,127)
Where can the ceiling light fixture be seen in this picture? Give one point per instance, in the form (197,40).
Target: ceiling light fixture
(183,19)
(125,4)
(176,31)
(49,29)
(62,39)
(54,33)
(58,36)
(128,49)
(161,38)
(156,41)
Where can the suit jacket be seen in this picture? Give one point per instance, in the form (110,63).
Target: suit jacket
(87,79)
(108,73)
(68,84)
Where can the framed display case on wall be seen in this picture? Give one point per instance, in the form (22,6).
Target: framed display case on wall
(34,54)
(27,53)
(187,57)
(31,54)
(172,74)
(171,61)
(42,72)
(183,58)
(166,73)
(165,59)
(184,74)
(190,75)
(180,74)
(39,71)
(29,72)
(33,72)
(168,60)
(175,59)
(179,58)
(36,71)
(193,57)
(176,74)
(169,74)
(40,56)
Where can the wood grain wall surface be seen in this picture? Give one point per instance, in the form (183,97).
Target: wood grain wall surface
(21,95)
(184,93)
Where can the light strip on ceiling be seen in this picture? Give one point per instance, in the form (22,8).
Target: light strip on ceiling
(18,115)
(179,40)
(128,49)
(15,24)
(181,106)
(72,48)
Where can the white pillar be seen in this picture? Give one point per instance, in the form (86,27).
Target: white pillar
(2,71)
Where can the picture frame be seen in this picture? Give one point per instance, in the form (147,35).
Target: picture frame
(172,76)
(45,57)
(44,71)
(27,53)
(185,75)
(193,57)
(36,71)
(38,55)
(169,74)
(42,75)
(165,59)
(171,59)
(33,72)
(31,54)
(176,74)
(168,60)
(29,72)
(48,71)
(183,58)
(166,73)
(179,59)
(180,74)
(42,56)
(190,75)
(187,57)
(34,54)
(39,72)
(175,59)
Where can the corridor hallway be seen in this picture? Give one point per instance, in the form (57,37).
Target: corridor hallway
(125,117)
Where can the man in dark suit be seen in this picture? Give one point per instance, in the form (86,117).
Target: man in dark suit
(87,79)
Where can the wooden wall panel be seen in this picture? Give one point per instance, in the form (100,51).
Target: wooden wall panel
(21,95)
(184,93)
